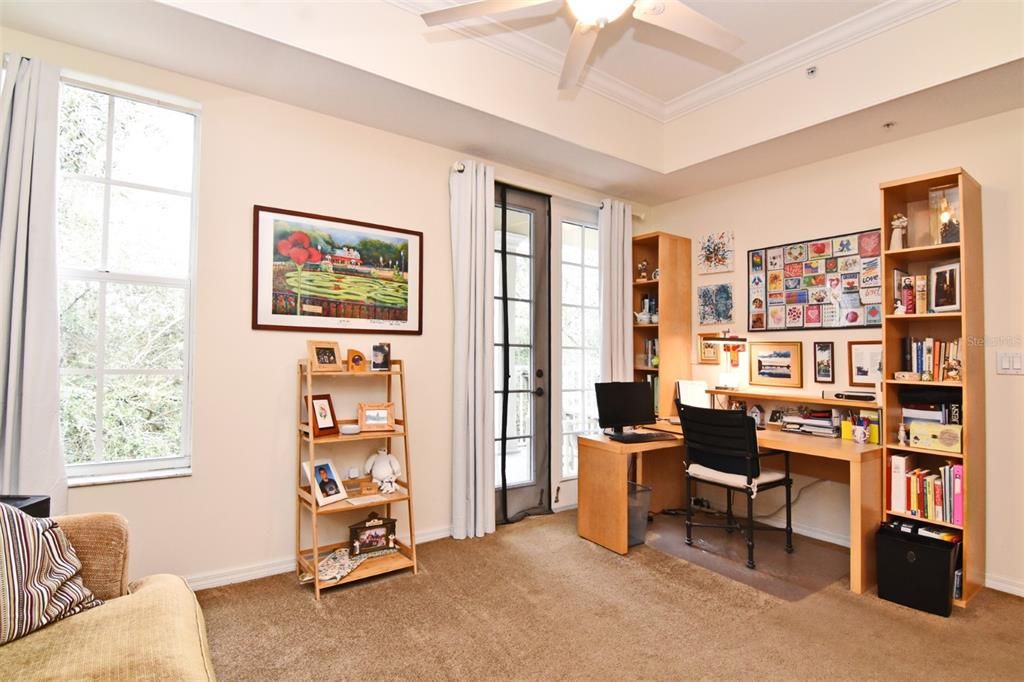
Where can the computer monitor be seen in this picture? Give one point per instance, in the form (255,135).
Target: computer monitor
(624,403)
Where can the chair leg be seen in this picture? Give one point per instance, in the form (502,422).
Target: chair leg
(789,516)
(689,510)
(729,518)
(750,531)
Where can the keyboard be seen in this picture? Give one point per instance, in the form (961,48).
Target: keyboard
(640,436)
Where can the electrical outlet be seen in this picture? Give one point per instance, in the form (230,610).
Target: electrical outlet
(1009,363)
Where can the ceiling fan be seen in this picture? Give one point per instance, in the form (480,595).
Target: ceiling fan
(592,16)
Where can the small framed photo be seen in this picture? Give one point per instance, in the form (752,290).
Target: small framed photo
(944,288)
(372,534)
(708,352)
(865,362)
(381,358)
(824,362)
(376,416)
(326,483)
(322,419)
(776,364)
(324,356)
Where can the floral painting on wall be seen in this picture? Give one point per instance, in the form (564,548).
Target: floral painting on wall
(715,252)
(714,304)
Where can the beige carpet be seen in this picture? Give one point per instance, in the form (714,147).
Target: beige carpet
(534,601)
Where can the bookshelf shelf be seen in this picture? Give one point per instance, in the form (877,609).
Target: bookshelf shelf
(670,335)
(933,522)
(915,198)
(794,398)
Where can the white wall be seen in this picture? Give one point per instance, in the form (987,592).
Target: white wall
(840,195)
(235,515)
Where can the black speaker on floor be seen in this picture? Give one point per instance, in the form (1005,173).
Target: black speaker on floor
(916,571)
(33,505)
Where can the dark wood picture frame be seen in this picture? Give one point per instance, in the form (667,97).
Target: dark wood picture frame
(314,427)
(850,367)
(831,347)
(358,534)
(333,323)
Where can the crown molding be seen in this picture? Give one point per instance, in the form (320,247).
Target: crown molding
(547,58)
(863,26)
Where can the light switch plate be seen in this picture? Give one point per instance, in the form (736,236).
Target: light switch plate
(1009,363)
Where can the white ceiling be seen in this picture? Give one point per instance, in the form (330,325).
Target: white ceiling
(661,64)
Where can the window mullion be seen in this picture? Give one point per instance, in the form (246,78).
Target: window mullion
(101,318)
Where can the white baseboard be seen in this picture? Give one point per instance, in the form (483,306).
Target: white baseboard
(563,507)
(241,574)
(1004,584)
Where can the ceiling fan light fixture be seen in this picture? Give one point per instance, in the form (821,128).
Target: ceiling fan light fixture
(598,12)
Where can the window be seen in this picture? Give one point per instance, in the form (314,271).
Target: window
(125,222)
(581,337)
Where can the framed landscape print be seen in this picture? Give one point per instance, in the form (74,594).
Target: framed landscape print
(865,362)
(826,282)
(776,364)
(314,273)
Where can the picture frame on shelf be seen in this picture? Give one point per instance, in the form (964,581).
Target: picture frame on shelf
(376,416)
(708,353)
(380,358)
(315,272)
(824,362)
(356,361)
(776,363)
(864,362)
(324,356)
(944,288)
(372,534)
(325,483)
(322,420)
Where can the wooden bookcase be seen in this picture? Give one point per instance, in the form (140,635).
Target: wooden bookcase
(307,558)
(670,255)
(909,196)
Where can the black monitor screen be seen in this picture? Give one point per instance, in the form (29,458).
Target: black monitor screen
(624,403)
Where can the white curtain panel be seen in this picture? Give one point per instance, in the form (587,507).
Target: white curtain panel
(471,185)
(615,233)
(31,456)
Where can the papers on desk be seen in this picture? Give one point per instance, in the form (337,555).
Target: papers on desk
(824,423)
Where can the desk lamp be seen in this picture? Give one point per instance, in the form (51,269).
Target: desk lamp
(732,346)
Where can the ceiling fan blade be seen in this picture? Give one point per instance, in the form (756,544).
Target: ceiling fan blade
(582,42)
(481,8)
(673,15)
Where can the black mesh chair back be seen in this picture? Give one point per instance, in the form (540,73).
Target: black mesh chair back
(724,440)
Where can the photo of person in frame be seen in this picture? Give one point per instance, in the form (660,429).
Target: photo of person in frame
(325,356)
(326,481)
(381,359)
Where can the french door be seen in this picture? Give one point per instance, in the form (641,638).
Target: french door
(522,353)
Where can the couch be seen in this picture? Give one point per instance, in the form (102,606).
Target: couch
(152,629)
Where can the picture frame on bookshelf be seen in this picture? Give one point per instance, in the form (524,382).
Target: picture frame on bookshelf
(322,420)
(324,356)
(325,483)
(776,364)
(708,353)
(372,534)
(376,416)
(944,288)
(865,362)
(824,362)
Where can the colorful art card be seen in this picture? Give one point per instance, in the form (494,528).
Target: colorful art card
(852,317)
(829,316)
(814,280)
(793,283)
(870,294)
(831,265)
(757,261)
(814,267)
(757,321)
(820,249)
(851,282)
(775,280)
(757,302)
(870,272)
(870,244)
(794,316)
(796,253)
(774,259)
(776,317)
(873,314)
(849,264)
(817,295)
(757,282)
(812,316)
(794,270)
(797,296)
(776,297)
(842,246)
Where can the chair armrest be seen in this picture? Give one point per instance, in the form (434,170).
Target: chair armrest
(101,543)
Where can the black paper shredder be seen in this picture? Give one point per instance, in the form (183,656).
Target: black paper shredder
(914,570)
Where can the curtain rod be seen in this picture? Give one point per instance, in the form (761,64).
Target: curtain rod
(460,167)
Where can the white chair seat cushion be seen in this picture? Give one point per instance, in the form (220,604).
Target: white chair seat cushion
(703,473)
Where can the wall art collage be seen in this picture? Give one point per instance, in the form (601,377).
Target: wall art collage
(827,282)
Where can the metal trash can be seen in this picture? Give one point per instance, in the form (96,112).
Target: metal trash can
(914,570)
(639,507)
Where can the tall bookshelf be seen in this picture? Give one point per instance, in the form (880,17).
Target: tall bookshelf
(670,255)
(910,197)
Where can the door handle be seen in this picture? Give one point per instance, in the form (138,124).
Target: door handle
(539,392)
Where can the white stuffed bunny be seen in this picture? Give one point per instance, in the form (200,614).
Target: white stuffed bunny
(385,468)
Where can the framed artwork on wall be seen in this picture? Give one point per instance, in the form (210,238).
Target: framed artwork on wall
(708,353)
(776,364)
(865,362)
(826,282)
(313,272)
(824,362)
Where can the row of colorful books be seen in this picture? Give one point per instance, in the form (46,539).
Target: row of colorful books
(930,495)
(932,359)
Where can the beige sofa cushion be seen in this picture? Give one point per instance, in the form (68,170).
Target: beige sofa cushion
(154,633)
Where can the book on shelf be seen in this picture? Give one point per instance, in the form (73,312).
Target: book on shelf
(655,383)
(929,495)
(932,359)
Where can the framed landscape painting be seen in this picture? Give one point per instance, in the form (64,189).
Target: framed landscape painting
(776,364)
(313,273)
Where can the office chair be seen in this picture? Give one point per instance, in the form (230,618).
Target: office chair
(721,449)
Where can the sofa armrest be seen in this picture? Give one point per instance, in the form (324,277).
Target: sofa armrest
(101,542)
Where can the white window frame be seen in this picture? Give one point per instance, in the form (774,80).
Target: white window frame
(178,465)
(562,210)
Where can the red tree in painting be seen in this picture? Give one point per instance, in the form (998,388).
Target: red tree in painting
(297,247)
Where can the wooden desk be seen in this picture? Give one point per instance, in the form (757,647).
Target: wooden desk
(604,466)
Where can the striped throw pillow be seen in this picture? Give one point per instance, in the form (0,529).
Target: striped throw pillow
(40,575)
